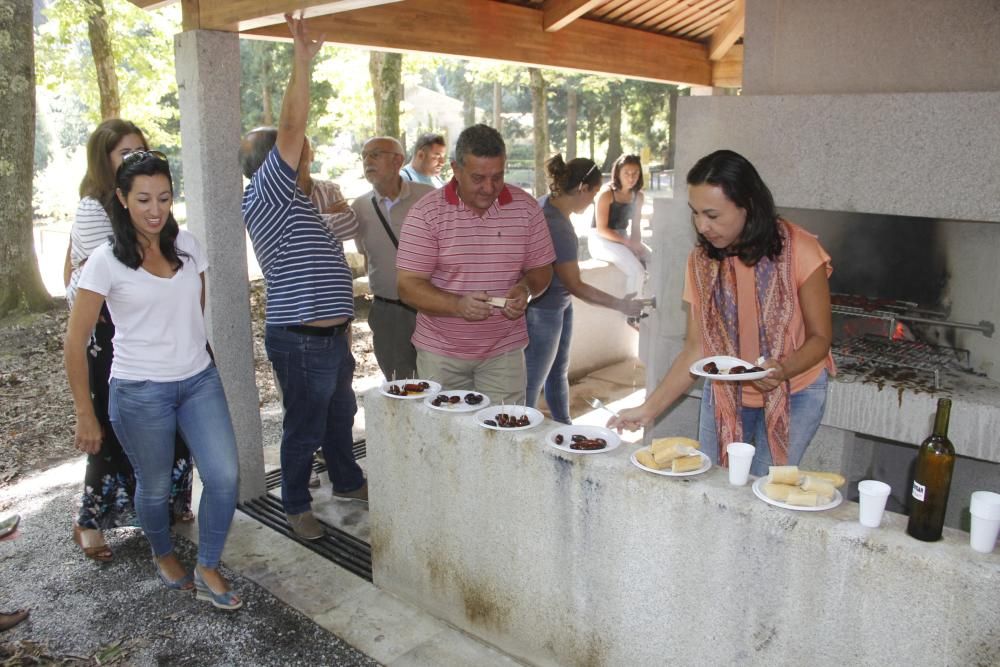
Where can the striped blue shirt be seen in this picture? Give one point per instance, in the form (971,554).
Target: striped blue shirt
(307,275)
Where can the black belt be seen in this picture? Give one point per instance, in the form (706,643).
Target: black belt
(395,302)
(308,330)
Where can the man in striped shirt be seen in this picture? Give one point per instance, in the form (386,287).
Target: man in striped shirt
(310,303)
(471,255)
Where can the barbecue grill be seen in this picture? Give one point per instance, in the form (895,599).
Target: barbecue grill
(891,359)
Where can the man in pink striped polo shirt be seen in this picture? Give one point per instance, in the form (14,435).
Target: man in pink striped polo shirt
(471,255)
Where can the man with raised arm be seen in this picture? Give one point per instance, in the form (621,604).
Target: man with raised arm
(380,215)
(470,257)
(310,302)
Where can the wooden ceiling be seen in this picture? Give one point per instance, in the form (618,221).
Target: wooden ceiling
(676,41)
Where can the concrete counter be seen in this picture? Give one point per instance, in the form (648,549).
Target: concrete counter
(561,559)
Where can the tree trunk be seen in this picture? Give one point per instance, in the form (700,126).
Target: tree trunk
(539,114)
(497,107)
(267,103)
(104,59)
(386,71)
(614,126)
(468,104)
(20,281)
(571,112)
(591,136)
(668,162)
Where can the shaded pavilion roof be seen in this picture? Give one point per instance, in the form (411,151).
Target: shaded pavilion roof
(691,42)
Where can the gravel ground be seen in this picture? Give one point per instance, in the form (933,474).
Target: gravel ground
(89,614)
(119,613)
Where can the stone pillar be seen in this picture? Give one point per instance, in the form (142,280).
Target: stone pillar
(208,82)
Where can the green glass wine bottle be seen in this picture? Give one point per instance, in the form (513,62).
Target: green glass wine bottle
(932,479)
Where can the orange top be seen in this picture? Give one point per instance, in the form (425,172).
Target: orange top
(808,255)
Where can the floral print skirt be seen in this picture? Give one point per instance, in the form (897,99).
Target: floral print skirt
(109,483)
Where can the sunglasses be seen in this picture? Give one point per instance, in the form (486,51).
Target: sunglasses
(138,156)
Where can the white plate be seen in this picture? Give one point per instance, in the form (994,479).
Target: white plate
(706,464)
(725,363)
(758,490)
(461,406)
(568,432)
(433,390)
(534,416)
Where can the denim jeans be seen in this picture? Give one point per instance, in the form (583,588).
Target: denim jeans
(315,374)
(146,416)
(806,409)
(547,358)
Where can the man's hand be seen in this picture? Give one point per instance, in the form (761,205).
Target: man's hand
(305,46)
(517,301)
(339,206)
(474,306)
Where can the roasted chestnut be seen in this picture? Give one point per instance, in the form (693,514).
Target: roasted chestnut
(711,368)
(737,370)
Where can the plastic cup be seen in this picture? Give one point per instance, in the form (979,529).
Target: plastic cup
(740,457)
(985,510)
(872,495)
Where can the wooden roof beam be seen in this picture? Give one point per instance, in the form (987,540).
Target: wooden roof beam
(511,33)
(730,30)
(557,14)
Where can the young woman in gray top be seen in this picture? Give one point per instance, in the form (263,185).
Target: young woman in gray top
(572,188)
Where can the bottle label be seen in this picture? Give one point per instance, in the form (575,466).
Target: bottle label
(919,490)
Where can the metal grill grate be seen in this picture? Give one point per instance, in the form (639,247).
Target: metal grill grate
(346,550)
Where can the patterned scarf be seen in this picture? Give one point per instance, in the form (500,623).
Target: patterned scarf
(715,284)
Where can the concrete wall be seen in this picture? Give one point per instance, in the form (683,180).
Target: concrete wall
(594,562)
(601,337)
(858,46)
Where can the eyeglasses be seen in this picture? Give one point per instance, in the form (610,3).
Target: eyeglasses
(139,156)
(376,154)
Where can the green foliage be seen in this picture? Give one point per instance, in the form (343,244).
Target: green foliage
(143,48)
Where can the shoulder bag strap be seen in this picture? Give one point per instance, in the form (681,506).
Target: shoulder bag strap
(385,223)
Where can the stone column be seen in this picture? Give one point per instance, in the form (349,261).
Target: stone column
(208,82)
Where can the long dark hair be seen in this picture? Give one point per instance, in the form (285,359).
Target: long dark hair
(125,241)
(743,186)
(616,181)
(564,177)
(99,181)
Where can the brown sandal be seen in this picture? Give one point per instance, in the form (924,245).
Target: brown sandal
(101,552)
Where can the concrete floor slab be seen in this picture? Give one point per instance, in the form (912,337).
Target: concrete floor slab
(453,648)
(379,624)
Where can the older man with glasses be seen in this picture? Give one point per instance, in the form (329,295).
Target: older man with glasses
(380,215)
(429,155)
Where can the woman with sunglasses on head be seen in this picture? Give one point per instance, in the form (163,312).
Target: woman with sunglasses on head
(109,482)
(572,188)
(757,286)
(617,234)
(163,380)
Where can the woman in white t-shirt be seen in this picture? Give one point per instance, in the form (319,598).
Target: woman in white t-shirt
(163,380)
(109,481)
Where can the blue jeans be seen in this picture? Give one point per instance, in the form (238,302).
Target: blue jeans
(547,358)
(146,417)
(806,408)
(315,374)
